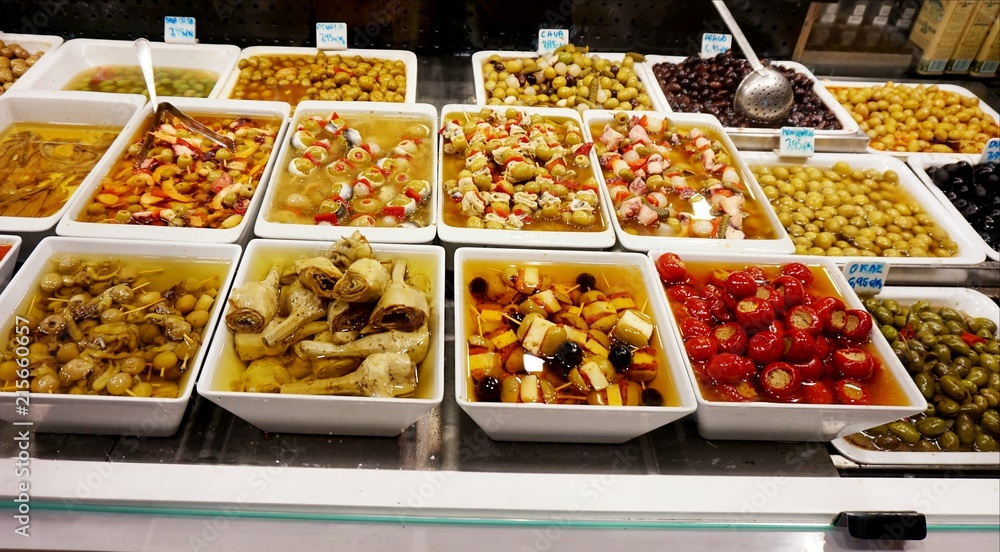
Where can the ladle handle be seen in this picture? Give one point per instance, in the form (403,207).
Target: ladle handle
(741,39)
(146,64)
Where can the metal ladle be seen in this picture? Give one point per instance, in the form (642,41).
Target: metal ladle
(160,109)
(765,95)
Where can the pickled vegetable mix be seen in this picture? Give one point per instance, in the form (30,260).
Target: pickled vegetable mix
(186,180)
(561,335)
(668,181)
(509,170)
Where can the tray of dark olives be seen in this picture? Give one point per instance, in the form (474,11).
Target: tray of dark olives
(968,190)
(946,339)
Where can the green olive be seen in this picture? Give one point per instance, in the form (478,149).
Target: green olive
(990,421)
(905,431)
(931,426)
(985,443)
(925,382)
(965,428)
(949,441)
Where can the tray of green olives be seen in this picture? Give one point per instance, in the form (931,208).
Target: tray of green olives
(947,340)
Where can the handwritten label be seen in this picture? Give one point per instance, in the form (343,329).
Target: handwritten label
(992,152)
(331,36)
(866,278)
(551,39)
(797,142)
(715,43)
(178,30)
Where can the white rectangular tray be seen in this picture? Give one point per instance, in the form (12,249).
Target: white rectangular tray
(520,238)
(69,226)
(70,108)
(848,124)
(9,260)
(267,229)
(964,300)
(407,57)
(318,414)
(919,164)
(78,55)
(566,423)
(961,90)
(968,252)
(782,243)
(107,414)
(775,421)
(480,57)
(32,43)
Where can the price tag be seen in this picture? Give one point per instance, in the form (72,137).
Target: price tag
(866,278)
(331,36)
(178,30)
(992,152)
(551,39)
(715,43)
(797,142)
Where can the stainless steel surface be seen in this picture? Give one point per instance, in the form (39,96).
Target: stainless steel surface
(765,94)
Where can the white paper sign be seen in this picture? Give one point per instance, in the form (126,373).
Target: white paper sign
(178,30)
(991,154)
(715,43)
(551,39)
(866,278)
(331,36)
(797,142)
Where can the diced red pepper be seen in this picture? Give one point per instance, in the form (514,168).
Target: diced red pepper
(326,217)
(971,339)
(398,211)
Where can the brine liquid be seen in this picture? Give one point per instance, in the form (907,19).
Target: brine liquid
(128,79)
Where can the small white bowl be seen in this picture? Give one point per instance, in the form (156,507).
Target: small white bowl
(70,226)
(965,300)
(775,421)
(318,414)
(645,77)
(106,414)
(781,243)
(460,235)
(563,423)
(920,164)
(969,253)
(265,228)
(69,108)
(78,55)
(408,58)
(32,43)
(9,258)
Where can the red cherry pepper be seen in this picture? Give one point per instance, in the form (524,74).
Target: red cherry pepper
(810,370)
(671,269)
(732,338)
(754,312)
(757,273)
(719,309)
(824,346)
(777,327)
(740,284)
(692,327)
(698,308)
(727,368)
(803,317)
(799,346)
(765,347)
(741,392)
(854,363)
(790,288)
(836,322)
(857,325)
(718,277)
(701,348)
(772,297)
(798,270)
(848,391)
(817,393)
(824,306)
(681,293)
(780,380)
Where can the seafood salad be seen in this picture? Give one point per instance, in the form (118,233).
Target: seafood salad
(340,323)
(668,181)
(357,170)
(506,169)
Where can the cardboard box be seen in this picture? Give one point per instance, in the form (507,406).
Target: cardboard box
(973,37)
(937,31)
(988,58)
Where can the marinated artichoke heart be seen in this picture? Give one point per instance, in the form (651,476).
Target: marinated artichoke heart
(365,281)
(401,307)
(254,304)
(319,274)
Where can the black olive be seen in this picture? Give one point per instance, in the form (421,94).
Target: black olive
(570,80)
(651,397)
(478,286)
(614,69)
(970,211)
(620,357)
(488,388)
(979,190)
(960,203)
(586,281)
(497,66)
(568,355)
(516,315)
(530,78)
(951,195)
